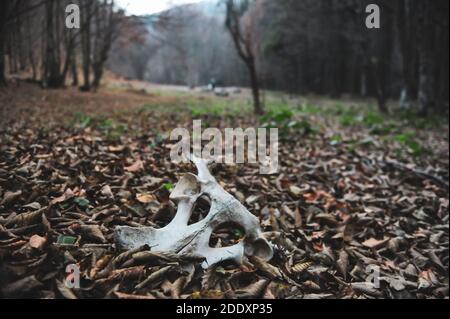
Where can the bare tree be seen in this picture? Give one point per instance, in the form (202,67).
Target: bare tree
(427,12)
(87,9)
(52,65)
(406,18)
(243,43)
(106,32)
(5,7)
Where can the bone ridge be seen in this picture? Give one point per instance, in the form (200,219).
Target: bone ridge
(179,237)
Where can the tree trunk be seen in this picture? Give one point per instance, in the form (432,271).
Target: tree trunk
(104,41)
(86,45)
(2,59)
(443,71)
(244,49)
(30,48)
(380,92)
(73,64)
(255,88)
(426,49)
(381,61)
(406,24)
(53,76)
(4,8)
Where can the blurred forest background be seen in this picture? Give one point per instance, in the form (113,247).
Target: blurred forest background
(301,47)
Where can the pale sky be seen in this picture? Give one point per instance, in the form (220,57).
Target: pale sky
(141,7)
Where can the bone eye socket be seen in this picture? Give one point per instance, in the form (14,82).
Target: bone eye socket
(164,216)
(226,235)
(259,248)
(201,209)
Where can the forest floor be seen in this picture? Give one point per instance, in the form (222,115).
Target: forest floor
(359,194)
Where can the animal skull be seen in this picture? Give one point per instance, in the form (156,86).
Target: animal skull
(179,237)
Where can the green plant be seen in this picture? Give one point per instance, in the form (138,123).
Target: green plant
(82,119)
(106,124)
(283,119)
(336,140)
(411,143)
(372,118)
(310,109)
(169,186)
(348,120)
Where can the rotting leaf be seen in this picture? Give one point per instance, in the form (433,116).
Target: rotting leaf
(338,204)
(65,291)
(22,287)
(136,167)
(82,202)
(67,240)
(37,242)
(375,243)
(10,196)
(145,198)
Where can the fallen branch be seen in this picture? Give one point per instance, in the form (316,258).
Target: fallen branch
(418,172)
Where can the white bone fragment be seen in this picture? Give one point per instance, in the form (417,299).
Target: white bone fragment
(179,237)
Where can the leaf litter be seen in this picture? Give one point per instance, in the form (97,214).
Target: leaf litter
(333,214)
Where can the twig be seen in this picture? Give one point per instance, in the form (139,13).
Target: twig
(418,172)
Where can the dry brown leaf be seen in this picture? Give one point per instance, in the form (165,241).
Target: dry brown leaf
(157,275)
(26,219)
(9,197)
(342,263)
(299,268)
(295,191)
(116,149)
(268,269)
(298,218)
(100,265)
(64,291)
(106,191)
(375,243)
(136,167)
(253,291)
(68,194)
(125,296)
(90,232)
(132,273)
(145,198)
(37,242)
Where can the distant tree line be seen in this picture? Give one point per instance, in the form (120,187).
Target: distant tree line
(34,40)
(325,47)
(309,46)
(184,46)
(299,46)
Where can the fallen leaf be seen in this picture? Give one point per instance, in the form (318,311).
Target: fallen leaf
(136,167)
(106,191)
(9,197)
(375,243)
(37,242)
(295,191)
(145,198)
